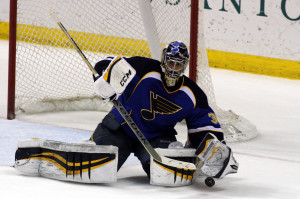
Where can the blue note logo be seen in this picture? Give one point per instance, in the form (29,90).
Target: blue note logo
(159,105)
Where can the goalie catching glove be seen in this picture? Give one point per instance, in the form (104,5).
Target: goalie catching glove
(216,159)
(114,79)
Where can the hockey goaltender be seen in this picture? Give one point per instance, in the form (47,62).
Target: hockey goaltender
(149,98)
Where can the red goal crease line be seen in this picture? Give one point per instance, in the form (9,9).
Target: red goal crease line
(266,157)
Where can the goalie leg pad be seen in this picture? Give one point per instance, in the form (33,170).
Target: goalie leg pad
(164,175)
(69,162)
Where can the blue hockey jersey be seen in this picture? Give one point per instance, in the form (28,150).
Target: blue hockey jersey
(157,108)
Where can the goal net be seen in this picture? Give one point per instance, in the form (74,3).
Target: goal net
(51,76)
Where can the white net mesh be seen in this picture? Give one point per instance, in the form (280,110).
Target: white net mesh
(51,76)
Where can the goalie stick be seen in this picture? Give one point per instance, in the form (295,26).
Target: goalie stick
(162,159)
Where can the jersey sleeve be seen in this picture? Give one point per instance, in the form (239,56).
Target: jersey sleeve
(200,122)
(202,119)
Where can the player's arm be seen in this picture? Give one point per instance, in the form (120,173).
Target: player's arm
(205,134)
(201,122)
(116,74)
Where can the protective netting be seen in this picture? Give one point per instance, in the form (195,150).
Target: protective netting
(51,76)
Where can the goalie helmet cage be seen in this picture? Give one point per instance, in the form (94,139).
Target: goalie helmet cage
(47,74)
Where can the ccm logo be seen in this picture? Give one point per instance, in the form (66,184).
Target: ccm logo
(125,78)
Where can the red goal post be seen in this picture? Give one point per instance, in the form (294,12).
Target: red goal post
(46,74)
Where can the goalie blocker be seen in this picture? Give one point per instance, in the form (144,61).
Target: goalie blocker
(87,163)
(114,79)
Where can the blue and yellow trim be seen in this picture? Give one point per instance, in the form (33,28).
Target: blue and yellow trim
(206,143)
(185,174)
(70,163)
(111,65)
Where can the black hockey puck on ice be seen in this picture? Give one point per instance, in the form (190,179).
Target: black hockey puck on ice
(209,182)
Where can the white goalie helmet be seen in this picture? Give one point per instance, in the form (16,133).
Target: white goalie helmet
(175,58)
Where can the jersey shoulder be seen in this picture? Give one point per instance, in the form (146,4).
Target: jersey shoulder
(200,96)
(144,65)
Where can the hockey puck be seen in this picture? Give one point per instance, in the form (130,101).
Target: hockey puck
(210,182)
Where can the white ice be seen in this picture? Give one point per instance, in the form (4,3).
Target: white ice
(269,164)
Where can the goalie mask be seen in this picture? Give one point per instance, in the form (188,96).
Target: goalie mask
(175,58)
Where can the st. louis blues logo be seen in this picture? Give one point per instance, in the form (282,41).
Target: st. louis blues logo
(177,50)
(159,105)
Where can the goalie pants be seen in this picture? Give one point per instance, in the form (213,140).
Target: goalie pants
(110,132)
